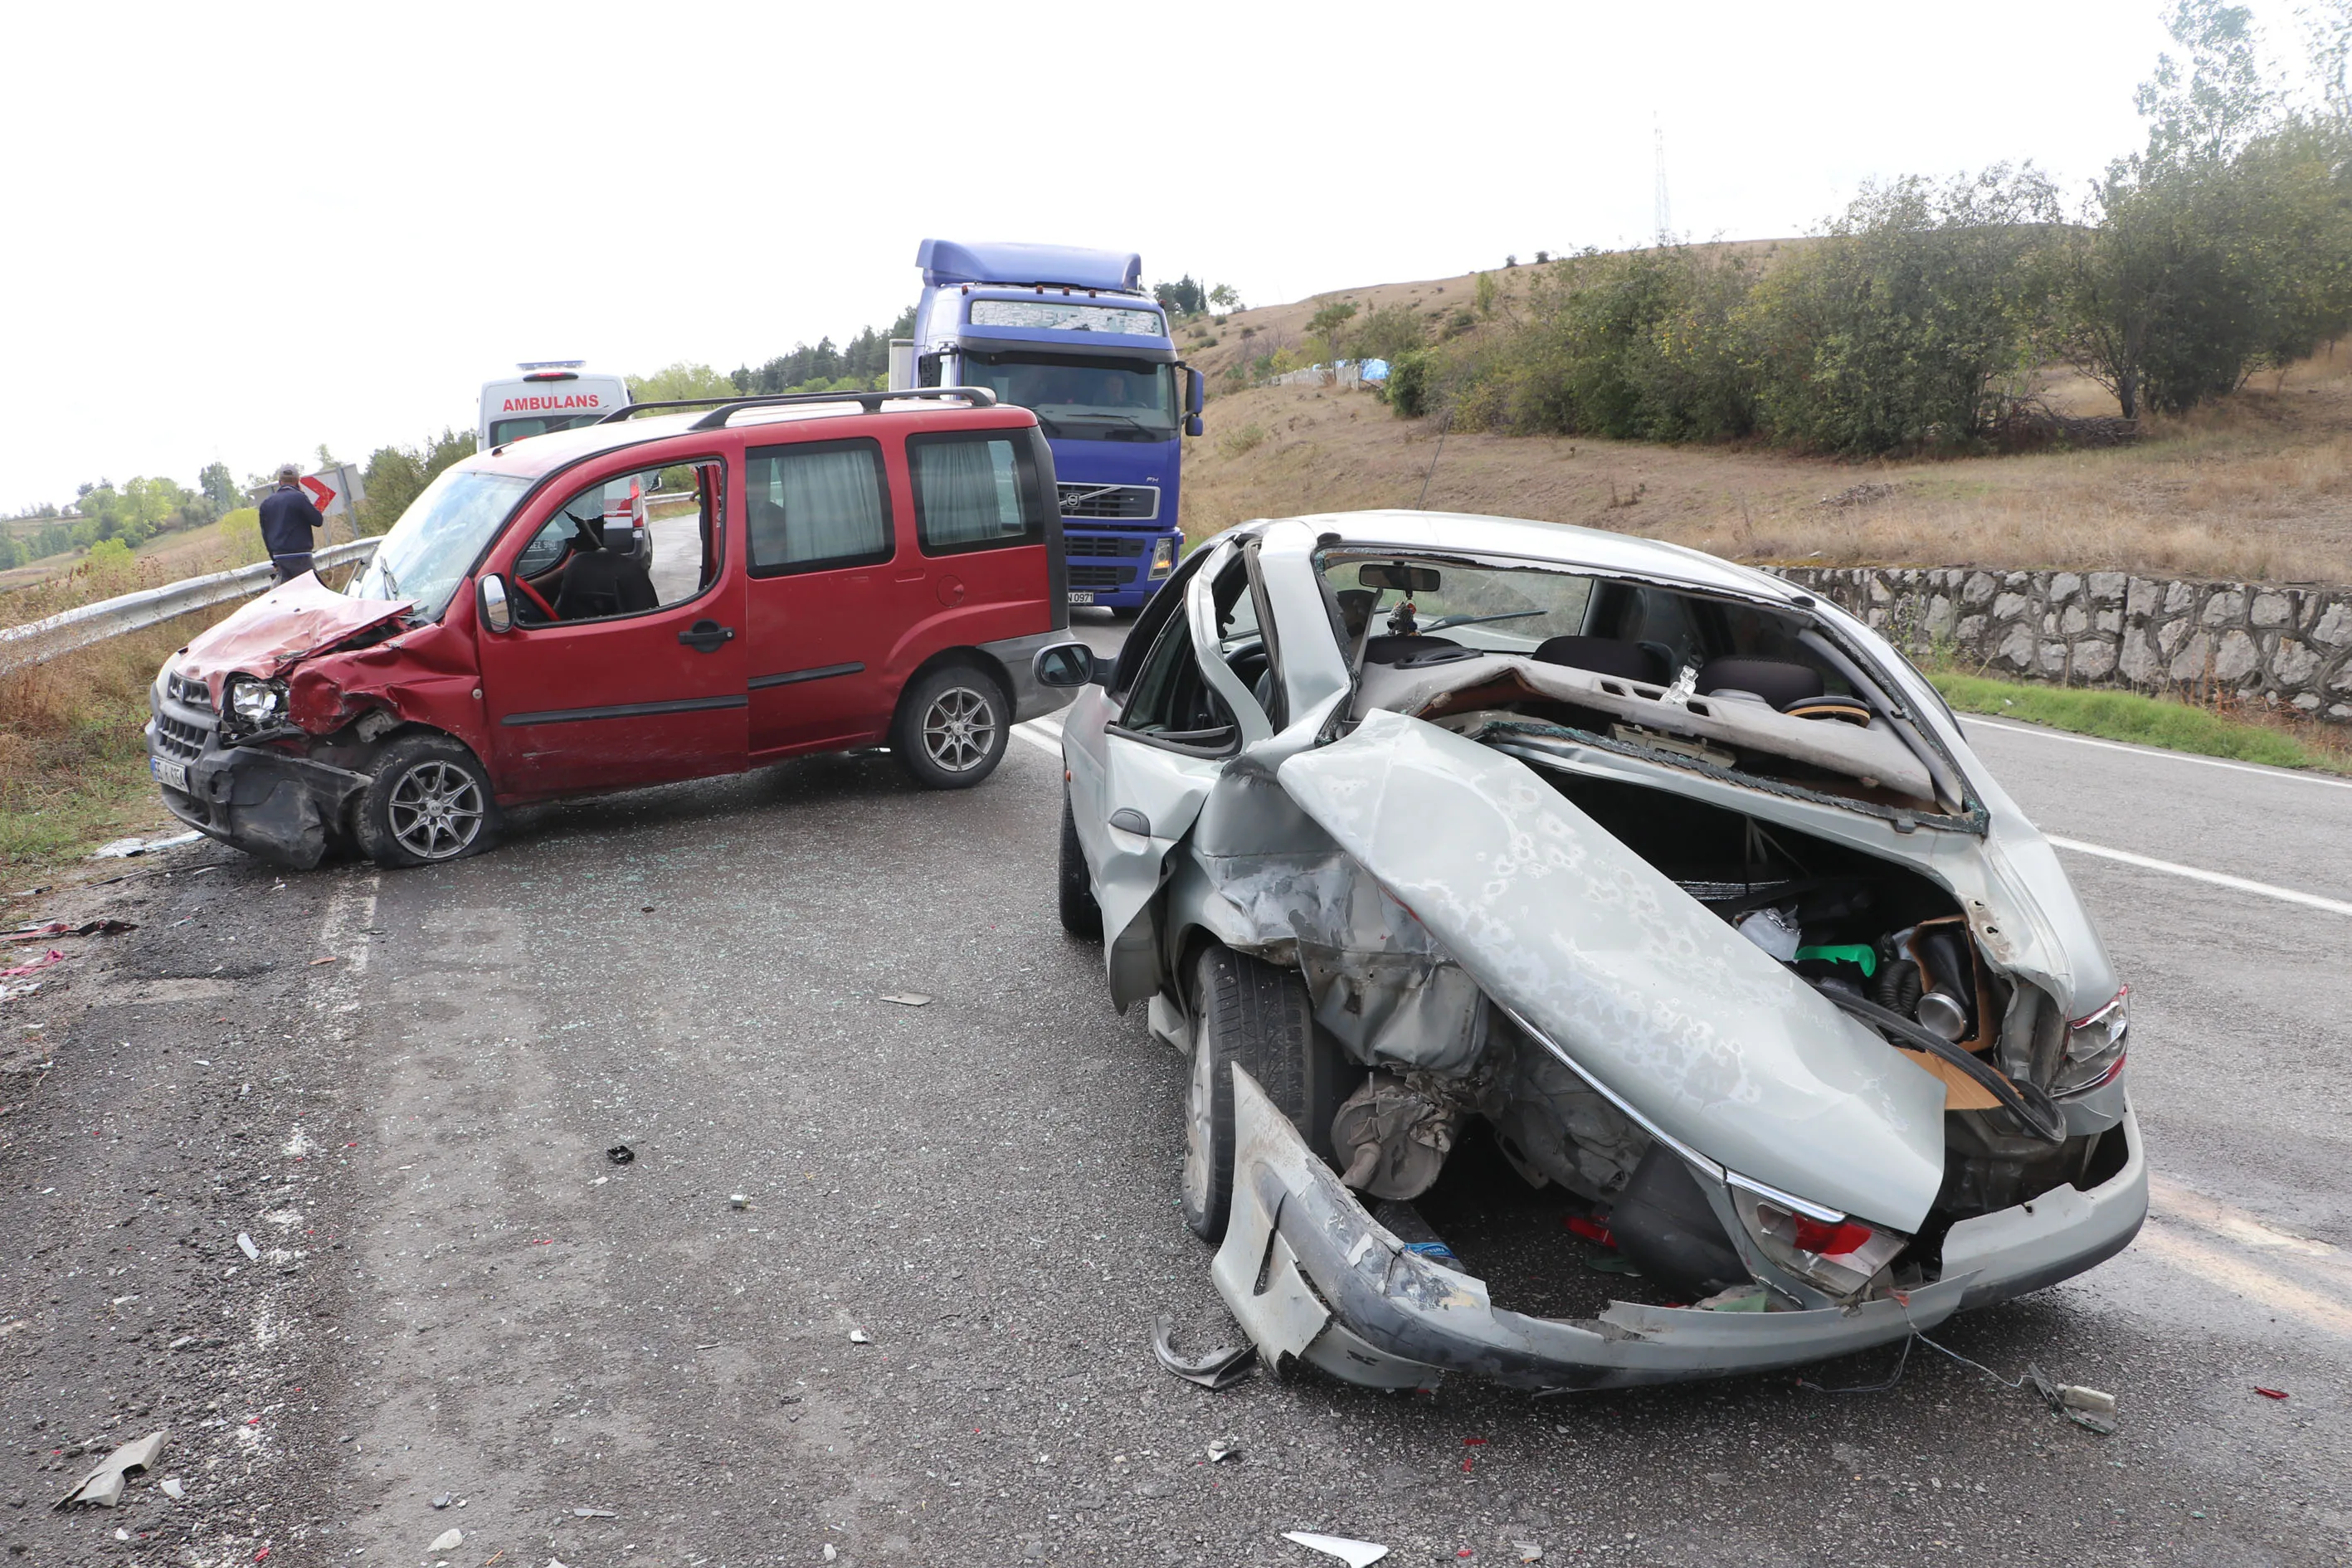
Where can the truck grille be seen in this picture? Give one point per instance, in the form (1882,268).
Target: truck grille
(1101,548)
(1131,502)
(1098,576)
(177,738)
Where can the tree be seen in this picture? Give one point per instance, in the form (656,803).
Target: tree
(2327,32)
(681,381)
(1181,298)
(1388,333)
(12,554)
(396,476)
(2210,106)
(218,486)
(1224,297)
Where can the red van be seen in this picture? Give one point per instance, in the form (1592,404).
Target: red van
(836,572)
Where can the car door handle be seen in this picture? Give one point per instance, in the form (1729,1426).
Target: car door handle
(707,636)
(1127,819)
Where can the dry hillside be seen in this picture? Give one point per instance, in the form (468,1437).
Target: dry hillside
(2258,487)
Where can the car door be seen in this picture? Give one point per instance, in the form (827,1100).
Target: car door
(1185,718)
(638,683)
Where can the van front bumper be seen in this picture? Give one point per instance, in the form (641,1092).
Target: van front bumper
(1310,1275)
(273,805)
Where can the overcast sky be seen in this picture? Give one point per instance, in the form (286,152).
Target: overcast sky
(235,232)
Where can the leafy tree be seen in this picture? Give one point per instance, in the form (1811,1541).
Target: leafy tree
(1181,298)
(1388,332)
(1224,297)
(395,476)
(2211,105)
(12,554)
(218,486)
(678,381)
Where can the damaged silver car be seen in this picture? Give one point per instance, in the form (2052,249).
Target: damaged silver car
(1599,963)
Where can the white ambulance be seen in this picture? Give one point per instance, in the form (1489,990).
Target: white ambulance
(560,394)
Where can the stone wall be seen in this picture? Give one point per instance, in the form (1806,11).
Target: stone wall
(2289,645)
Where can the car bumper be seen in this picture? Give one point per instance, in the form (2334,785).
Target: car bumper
(1310,1275)
(1017,657)
(273,805)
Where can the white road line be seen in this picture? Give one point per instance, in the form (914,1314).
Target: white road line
(2286,773)
(2218,879)
(1040,735)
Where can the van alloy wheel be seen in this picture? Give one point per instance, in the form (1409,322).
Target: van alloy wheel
(960,729)
(436,810)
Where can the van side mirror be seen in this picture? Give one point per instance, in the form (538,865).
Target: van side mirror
(497,614)
(1068,664)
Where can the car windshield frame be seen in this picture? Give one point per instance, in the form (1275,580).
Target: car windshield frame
(429,553)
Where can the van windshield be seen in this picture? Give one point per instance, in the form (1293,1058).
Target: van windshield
(439,537)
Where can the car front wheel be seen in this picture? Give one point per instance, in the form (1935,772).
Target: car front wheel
(428,801)
(1248,1012)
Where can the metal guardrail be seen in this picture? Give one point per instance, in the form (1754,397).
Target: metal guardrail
(40,641)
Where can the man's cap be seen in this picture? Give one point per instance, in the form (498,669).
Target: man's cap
(289,470)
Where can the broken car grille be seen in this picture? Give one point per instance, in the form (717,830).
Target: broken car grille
(1131,502)
(190,693)
(177,738)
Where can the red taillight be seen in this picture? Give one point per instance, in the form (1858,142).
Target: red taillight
(1829,1240)
(553,375)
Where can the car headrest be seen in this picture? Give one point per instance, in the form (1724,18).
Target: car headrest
(1777,680)
(1605,656)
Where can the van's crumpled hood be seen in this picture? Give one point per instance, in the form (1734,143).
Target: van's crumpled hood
(1692,1025)
(284,626)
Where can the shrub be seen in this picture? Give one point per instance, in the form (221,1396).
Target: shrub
(1233,443)
(1409,379)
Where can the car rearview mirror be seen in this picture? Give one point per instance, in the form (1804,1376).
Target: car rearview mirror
(1065,665)
(1402,578)
(497,614)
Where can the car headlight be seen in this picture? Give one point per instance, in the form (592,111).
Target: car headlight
(1842,1257)
(1163,558)
(256,704)
(2096,1047)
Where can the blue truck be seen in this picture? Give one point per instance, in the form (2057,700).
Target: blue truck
(1069,334)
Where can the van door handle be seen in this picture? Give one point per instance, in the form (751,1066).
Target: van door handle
(707,636)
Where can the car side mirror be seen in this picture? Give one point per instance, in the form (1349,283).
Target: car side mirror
(497,614)
(1068,664)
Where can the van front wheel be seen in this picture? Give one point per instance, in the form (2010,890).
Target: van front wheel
(428,801)
(951,727)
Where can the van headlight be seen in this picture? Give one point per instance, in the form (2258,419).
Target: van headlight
(254,703)
(1163,559)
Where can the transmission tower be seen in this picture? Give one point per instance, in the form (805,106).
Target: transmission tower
(1665,217)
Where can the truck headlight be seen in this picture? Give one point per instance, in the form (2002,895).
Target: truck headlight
(1842,1257)
(256,704)
(2096,1046)
(1163,559)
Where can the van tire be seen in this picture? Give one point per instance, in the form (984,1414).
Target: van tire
(427,800)
(951,727)
(1081,916)
(1250,1013)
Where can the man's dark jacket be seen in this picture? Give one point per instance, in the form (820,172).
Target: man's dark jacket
(287,519)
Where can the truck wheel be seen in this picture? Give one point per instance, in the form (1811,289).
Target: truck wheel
(1252,1013)
(428,801)
(951,727)
(1081,916)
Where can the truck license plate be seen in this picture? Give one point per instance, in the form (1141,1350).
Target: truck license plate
(1081,596)
(172,774)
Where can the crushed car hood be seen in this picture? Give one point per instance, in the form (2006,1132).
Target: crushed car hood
(1683,1017)
(284,626)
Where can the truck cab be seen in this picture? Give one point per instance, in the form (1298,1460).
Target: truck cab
(1069,334)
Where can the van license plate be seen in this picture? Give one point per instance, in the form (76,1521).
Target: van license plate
(172,774)
(1078,596)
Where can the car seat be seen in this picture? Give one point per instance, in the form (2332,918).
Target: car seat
(1605,655)
(1780,682)
(596,581)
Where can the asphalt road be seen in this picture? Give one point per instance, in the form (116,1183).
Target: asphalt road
(458,1294)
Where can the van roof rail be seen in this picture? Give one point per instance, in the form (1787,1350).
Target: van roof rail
(872,402)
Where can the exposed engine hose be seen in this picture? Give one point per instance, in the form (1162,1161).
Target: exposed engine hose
(1898,987)
(2023,1100)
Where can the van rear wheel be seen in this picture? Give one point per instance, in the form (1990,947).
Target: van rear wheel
(951,727)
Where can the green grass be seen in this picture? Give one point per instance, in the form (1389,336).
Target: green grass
(2144,721)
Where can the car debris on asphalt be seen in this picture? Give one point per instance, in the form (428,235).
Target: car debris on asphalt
(102,1487)
(245,1245)
(620,1154)
(1212,1369)
(907,999)
(1354,1553)
(123,848)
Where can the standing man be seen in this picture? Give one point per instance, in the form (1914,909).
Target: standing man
(287,520)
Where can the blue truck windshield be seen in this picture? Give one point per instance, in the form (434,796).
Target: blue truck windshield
(1082,398)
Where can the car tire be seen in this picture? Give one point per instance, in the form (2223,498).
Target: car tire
(951,727)
(427,800)
(1081,916)
(1250,1013)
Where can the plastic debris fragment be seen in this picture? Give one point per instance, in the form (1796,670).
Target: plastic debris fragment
(1223,1449)
(1354,1553)
(2270,1393)
(245,1245)
(907,999)
(1212,1369)
(620,1153)
(860,1337)
(102,1487)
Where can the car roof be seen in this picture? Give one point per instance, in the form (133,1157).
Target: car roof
(1559,543)
(540,455)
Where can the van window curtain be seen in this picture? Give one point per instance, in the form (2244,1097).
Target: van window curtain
(967,491)
(817,506)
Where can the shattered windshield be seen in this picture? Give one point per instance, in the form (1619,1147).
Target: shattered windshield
(439,537)
(1497,609)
